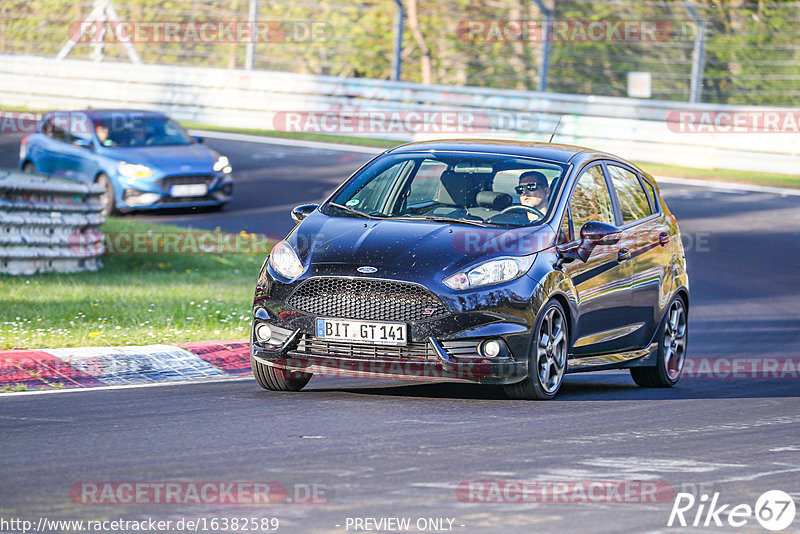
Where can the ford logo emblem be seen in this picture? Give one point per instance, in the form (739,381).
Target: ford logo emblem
(367,270)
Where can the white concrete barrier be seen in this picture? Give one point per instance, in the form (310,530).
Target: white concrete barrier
(640,130)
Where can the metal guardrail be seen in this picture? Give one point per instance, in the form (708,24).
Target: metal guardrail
(636,129)
(48,224)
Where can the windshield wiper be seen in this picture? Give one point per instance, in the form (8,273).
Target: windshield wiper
(434,218)
(354,211)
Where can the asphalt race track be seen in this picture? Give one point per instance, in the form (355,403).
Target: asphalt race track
(379,449)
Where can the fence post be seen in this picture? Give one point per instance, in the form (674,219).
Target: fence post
(544,67)
(397,60)
(250,51)
(698,55)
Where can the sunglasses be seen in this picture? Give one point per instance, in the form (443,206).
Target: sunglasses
(531,187)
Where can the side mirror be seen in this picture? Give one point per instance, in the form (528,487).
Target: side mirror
(301,212)
(83,143)
(593,234)
(198,139)
(598,233)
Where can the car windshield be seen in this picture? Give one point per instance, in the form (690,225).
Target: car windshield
(480,189)
(136,131)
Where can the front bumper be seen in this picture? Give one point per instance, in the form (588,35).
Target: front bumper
(444,367)
(220,192)
(443,348)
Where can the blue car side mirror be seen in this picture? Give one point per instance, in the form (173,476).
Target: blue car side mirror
(83,143)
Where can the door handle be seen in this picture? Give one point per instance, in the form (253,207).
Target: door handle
(663,239)
(623,255)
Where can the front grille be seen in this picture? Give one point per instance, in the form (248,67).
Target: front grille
(173,200)
(315,346)
(364,299)
(185,179)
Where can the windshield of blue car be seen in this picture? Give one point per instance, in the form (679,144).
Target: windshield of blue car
(138,131)
(484,189)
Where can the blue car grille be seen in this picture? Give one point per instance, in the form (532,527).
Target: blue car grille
(364,299)
(169,181)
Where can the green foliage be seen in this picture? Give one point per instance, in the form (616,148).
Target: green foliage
(752,49)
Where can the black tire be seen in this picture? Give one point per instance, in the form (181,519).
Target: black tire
(275,379)
(552,325)
(106,198)
(673,336)
(29,168)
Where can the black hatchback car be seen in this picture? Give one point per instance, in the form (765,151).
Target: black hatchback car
(496,262)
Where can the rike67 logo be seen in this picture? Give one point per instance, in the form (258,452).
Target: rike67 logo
(774,510)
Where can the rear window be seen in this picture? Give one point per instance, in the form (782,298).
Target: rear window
(633,201)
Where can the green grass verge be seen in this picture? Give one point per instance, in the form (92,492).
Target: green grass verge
(135,299)
(723,175)
(325,138)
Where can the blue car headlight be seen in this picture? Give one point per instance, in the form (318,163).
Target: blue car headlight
(222,164)
(132,170)
(490,272)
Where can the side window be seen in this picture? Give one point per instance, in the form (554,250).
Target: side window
(632,198)
(54,127)
(81,128)
(651,192)
(426,182)
(591,200)
(47,127)
(565,232)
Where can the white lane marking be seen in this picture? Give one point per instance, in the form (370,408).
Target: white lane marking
(125,386)
(249,138)
(785,449)
(731,187)
(627,464)
(748,478)
(36,419)
(596,439)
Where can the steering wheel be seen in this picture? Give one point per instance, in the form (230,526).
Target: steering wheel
(516,207)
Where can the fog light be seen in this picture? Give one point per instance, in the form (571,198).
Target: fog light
(490,349)
(134,197)
(263,333)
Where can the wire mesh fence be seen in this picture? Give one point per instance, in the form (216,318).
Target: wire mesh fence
(736,52)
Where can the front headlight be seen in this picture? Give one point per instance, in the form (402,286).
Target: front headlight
(132,170)
(490,272)
(284,260)
(222,164)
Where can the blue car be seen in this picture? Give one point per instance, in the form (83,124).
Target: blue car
(143,159)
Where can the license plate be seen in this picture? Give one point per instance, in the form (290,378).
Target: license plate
(188,190)
(362,332)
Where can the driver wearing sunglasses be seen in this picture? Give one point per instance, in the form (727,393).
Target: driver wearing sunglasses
(533,191)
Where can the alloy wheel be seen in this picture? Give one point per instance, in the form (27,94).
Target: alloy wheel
(675,340)
(551,350)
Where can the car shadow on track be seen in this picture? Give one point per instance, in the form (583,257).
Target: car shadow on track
(596,387)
